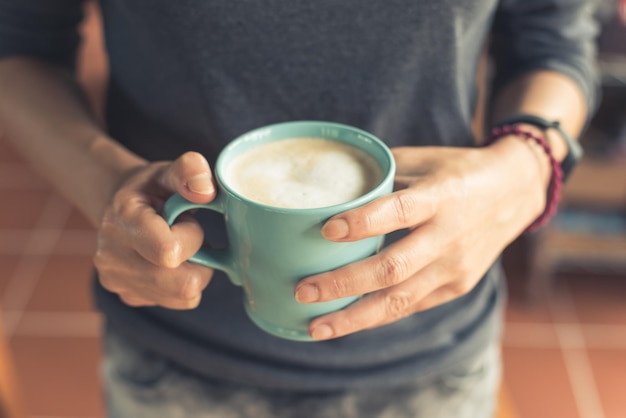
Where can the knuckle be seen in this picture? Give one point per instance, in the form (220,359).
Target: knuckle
(457,187)
(339,287)
(391,270)
(133,301)
(192,303)
(168,253)
(110,227)
(108,220)
(102,261)
(106,268)
(367,221)
(109,283)
(404,207)
(124,206)
(190,288)
(98,260)
(180,304)
(463,270)
(462,287)
(397,304)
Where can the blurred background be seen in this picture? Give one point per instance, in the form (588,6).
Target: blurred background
(565,339)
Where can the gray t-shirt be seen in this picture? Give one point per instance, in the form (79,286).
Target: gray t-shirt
(194,74)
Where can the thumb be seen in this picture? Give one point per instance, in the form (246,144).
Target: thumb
(190,176)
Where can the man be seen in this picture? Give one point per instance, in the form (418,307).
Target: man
(188,76)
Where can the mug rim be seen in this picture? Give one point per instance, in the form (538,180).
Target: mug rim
(256,135)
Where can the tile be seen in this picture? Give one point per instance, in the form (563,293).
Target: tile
(538,383)
(18,176)
(55,213)
(604,336)
(23,282)
(65,285)
(609,370)
(42,241)
(74,220)
(47,241)
(21,208)
(59,376)
(76,242)
(8,153)
(530,335)
(59,324)
(583,383)
(598,299)
(506,408)
(8,264)
(519,307)
(521,312)
(14,241)
(78,221)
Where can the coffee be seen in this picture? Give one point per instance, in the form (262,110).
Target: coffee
(303,173)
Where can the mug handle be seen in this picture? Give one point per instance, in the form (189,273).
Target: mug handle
(220,259)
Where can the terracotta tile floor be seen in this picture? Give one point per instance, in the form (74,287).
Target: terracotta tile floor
(562,359)
(566,357)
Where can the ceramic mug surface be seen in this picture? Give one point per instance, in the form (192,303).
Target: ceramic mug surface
(272,248)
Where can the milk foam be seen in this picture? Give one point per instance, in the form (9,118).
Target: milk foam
(303,173)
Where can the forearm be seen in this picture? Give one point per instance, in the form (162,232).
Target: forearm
(45,117)
(551,96)
(547,94)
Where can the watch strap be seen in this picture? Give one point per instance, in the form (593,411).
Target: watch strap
(574,150)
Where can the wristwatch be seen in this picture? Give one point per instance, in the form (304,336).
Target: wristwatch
(574,150)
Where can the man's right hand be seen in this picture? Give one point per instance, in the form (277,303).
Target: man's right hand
(139,256)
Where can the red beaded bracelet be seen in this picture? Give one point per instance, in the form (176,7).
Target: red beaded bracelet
(556,180)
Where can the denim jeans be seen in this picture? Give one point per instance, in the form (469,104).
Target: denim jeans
(140,383)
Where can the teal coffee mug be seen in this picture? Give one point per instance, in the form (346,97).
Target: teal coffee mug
(272,244)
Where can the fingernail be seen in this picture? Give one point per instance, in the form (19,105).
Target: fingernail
(307,293)
(335,229)
(322,332)
(200,184)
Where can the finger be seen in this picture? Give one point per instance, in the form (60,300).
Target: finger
(179,304)
(182,285)
(135,301)
(164,267)
(140,302)
(183,304)
(438,297)
(189,175)
(402,209)
(157,242)
(179,288)
(390,267)
(378,308)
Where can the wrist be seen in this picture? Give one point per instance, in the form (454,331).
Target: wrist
(113,165)
(514,187)
(524,160)
(555,140)
(555,173)
(563,149)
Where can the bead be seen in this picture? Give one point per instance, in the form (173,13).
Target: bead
(556,179)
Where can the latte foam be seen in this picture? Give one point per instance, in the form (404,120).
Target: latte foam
(303,173)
